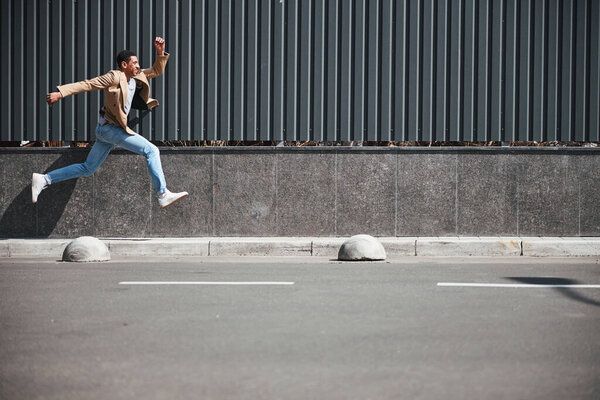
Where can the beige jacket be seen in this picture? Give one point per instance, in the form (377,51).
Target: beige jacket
(115,91)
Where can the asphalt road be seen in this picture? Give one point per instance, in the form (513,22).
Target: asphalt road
(340,331)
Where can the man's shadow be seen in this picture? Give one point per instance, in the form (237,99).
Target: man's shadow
(565,291)
(23,219)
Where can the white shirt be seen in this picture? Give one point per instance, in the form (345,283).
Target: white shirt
(128,100)
(130,93)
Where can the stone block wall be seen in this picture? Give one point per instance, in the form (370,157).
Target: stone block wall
(310,191)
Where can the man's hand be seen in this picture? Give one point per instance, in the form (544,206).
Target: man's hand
(159,43)
(53,97)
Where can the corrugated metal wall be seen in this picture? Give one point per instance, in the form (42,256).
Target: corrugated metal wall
(325,70)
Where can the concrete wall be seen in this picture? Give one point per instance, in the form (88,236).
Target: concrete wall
(333,191)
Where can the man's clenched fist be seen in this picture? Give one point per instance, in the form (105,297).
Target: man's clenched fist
(159,43)
(53,97)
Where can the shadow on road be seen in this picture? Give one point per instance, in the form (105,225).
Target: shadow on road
(567,292)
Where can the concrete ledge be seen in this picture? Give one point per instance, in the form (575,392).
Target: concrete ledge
(244,246)
(320,247)
(158,247)
(36,247)
(560,247)
(311,192)
(468,246)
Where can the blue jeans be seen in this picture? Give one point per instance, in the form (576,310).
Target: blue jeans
(107,137)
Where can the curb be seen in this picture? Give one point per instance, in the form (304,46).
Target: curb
(321,247)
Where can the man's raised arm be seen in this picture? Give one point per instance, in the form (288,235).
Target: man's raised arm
(161,59)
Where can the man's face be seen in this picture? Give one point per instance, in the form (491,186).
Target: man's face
(132,67)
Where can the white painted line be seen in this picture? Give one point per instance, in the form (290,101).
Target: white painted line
(205,283)
(515,285)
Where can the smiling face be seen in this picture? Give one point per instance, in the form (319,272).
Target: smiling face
(131,67)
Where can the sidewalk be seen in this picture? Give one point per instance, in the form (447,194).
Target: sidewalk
(323,247)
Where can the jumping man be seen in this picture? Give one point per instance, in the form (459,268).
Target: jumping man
(124,88)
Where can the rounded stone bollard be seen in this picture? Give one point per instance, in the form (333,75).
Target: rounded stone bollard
(86,249)
(362,248)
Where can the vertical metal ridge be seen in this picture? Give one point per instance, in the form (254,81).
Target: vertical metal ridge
(456,54)
(595,72)
(497,48)
(346,78)
(428,76)
(401,86)
(228,101)
(6,131)
(331,73)
(186,67)
(567,71)
(413,76)
(442,66)
(243,65)
(581,39)
(387,83)
(296,75)
(469,72)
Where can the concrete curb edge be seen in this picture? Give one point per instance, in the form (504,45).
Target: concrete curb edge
(323,247)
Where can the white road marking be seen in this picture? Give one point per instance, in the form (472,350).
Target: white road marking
(203,283)
(515,285)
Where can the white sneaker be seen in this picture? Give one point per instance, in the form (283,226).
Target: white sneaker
(38,183)
(168,199)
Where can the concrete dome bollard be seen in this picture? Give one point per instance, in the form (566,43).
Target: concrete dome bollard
(86,249)
(362,248)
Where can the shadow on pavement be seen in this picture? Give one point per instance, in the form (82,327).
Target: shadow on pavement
(567,292)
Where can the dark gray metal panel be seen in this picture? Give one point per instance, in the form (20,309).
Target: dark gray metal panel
(42,75)
(347,71)
(456,76)
(510,82)
(334,70)
(442,69)
(414,70)
(482,92)
(373,41)
(6,104)
(239,65)
(496,70)
(186,78)
(146,53)
(18,76)
(539,71)
(305,71)
(400,70)
(30,61)
(470,73)
(553,69)
(69,62)
(332,40)
(278,63)
(158,84)
(582,77)
(82,113)
(566,78)
(172,79)
(595,72)
(387,70)
(524,70)
(428,46)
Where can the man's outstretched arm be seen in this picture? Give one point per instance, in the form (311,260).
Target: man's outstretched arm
(161,59)
(100,82)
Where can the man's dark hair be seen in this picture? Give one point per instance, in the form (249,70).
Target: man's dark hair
(124,55)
